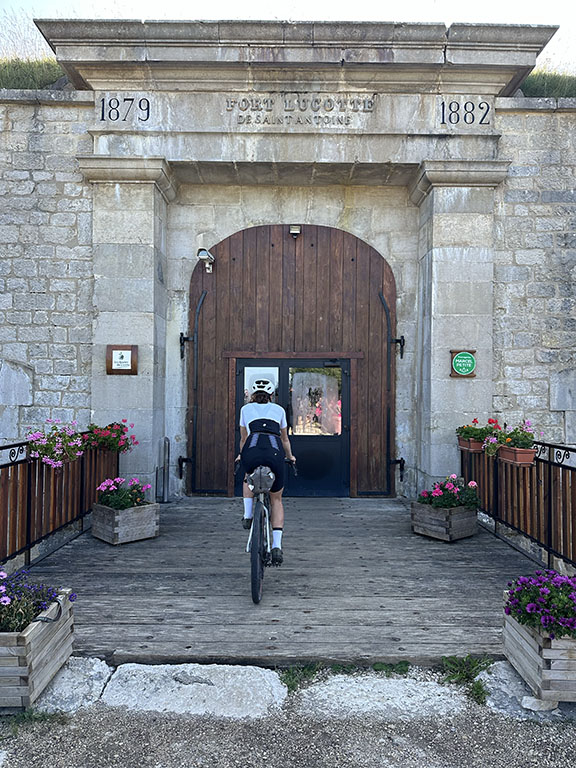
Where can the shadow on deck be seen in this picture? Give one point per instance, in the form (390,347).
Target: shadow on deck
(356,586)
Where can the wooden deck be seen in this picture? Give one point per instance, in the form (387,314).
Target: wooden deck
(356,586)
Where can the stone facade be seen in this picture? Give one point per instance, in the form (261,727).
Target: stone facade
(101,218)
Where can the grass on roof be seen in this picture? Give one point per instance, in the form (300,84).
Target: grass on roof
(549,85)
(25,74)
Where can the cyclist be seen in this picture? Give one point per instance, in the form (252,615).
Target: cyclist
(264,442)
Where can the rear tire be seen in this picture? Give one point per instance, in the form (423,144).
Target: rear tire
(257,552)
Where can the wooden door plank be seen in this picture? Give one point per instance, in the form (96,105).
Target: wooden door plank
(276,309)
(223,427)
(324,297)
(264,306)
(288,290)
(309,293)
(336,289)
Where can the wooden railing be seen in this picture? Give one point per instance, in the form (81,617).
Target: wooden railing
(37,500)
(538,501)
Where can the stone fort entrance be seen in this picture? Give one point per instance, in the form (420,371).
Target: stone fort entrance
(404,144)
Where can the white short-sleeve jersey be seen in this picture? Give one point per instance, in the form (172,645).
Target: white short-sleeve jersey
(272,411)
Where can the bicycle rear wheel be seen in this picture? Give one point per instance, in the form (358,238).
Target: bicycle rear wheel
(257,552)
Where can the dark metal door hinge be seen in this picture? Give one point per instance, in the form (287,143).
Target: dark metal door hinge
(401,464)
(402,342)
(183,340)
(181,461)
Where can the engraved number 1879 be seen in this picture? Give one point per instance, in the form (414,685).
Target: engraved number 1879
(116,109)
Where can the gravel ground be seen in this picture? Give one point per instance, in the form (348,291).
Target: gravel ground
(102,737)
(475,736)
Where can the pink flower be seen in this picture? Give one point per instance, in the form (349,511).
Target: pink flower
(5,600)
(453,477)
(472,484)
(437,492)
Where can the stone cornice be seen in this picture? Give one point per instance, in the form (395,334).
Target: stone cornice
(456,173)
(172,55)
(150,170)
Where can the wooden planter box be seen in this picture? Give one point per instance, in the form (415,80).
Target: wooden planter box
(547,666)
(119,526)
(523,457)
(30,659)
(445,524)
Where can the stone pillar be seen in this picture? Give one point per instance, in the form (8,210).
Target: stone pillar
(456,201)
(129,241)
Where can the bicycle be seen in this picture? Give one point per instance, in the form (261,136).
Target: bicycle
(259,544)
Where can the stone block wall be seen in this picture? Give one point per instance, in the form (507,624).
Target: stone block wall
(535,267)
(46,271)
(50,327)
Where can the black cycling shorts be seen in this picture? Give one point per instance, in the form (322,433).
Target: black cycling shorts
(264,450)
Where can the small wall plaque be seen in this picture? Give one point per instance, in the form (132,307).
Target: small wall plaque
(122,359)
(463,363)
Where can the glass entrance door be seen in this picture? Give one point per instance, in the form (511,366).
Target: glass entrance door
(315,395)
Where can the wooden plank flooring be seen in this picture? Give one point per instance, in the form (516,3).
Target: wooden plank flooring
(356,586)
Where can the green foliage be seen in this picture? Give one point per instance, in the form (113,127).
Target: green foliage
(474,430)
(451,493)
(25,74)
(463,670)
(478,692)
(401,668)
(545,601)
(113,437)
(549,85)
(111,493)
(22,601)
(294,677)
(343,669)
(31,716)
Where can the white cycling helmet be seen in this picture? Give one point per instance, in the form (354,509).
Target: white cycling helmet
(262,384)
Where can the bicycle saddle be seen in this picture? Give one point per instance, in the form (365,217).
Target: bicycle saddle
(261,480)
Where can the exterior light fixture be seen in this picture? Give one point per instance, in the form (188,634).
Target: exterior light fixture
(295,230)
(205,256)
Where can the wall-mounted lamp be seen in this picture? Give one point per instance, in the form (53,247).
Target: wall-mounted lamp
(205,256)
(295,230)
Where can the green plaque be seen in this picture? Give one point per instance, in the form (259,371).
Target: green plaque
(464,363)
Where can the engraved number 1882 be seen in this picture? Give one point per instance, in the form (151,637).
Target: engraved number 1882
(453,112)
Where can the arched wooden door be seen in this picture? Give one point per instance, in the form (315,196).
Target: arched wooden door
(318,296)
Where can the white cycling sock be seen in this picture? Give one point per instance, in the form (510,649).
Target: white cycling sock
(277,538)
(248,512)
